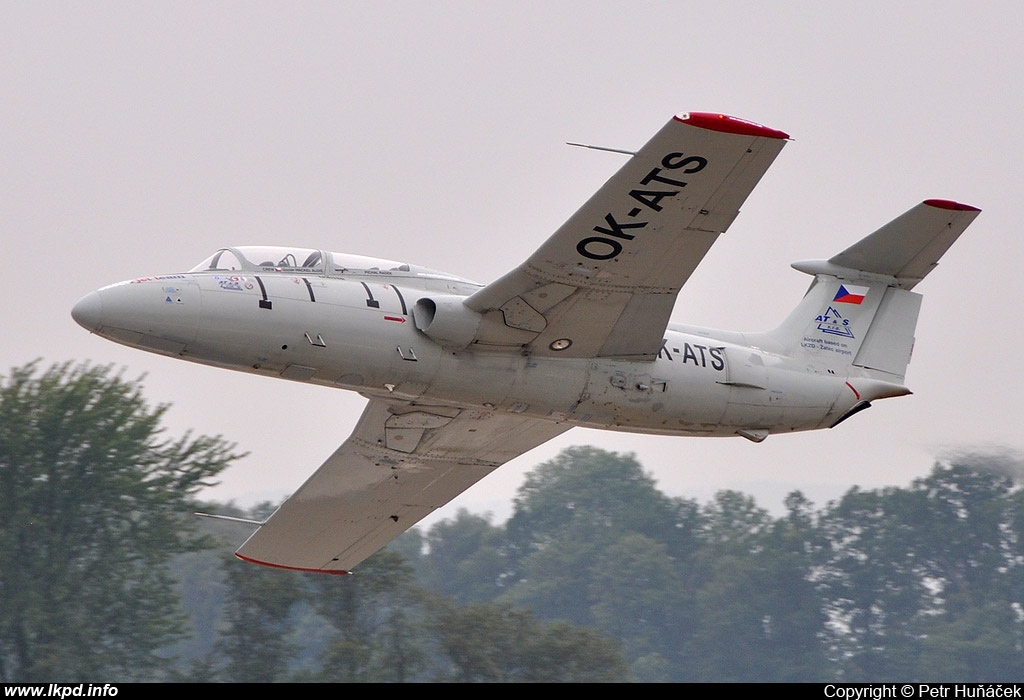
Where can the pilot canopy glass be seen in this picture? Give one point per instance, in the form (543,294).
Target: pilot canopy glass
(309,261)
(268,258)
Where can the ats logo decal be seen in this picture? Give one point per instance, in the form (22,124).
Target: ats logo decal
(833,322)
(837,331)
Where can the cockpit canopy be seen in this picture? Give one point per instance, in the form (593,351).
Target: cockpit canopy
(309,261)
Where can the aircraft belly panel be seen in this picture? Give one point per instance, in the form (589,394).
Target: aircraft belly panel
(474,378)
(546,387)
(666,396)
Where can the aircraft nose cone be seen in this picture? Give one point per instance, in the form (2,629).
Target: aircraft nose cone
(88,312)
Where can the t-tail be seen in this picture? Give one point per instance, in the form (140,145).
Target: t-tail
(858,317)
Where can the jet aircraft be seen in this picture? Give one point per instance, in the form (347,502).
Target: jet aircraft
(462,377)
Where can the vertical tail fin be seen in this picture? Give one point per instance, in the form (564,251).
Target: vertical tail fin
(859,309)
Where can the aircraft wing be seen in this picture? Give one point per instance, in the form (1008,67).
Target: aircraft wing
(401,463)
(605,283)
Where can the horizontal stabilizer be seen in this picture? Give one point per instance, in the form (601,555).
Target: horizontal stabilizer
(909,247)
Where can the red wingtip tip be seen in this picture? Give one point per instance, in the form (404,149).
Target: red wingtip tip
(292,568)
(950,204)
(730,125)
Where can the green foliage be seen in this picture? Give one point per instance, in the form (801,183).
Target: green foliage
(466,558)
(572,508)
(258,613)
(488,643)
(93,505)
(733,523)
(639,596)
(597,577)
(376,623)
(911,572)
(983,643)
(894,583)
(594,491)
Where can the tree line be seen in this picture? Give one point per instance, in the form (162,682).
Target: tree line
(597,576)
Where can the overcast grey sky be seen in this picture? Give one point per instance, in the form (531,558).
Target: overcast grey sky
(138,137)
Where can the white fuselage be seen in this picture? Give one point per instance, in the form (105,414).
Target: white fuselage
(357,332)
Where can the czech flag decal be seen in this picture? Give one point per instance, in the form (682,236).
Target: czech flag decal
(848,294)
